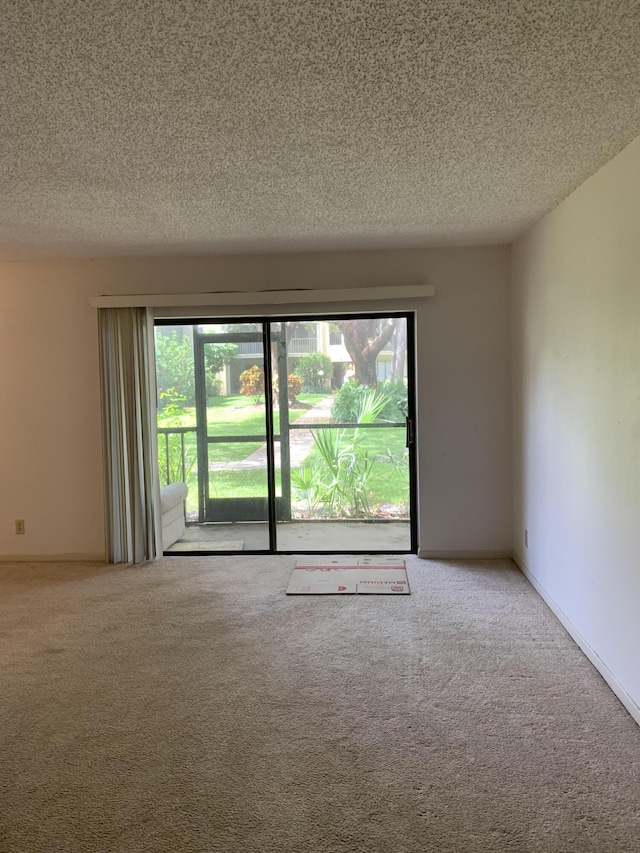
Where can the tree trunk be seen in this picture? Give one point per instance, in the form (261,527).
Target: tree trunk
(365,369)
(364,339)
(399,351)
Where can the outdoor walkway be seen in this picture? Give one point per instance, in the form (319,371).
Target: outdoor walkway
(300,443)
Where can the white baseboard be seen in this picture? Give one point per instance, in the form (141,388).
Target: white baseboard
(52,558)
(465,555)
(632,707)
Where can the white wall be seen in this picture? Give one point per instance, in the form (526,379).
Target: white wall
(576,322)
(50,449)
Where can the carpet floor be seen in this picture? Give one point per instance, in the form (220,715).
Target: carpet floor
(189,705)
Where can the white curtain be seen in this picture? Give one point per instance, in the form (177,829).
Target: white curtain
(127,374)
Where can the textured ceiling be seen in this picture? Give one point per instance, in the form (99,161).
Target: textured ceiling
(234,125)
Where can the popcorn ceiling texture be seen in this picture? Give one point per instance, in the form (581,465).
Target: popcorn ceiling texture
(167,126)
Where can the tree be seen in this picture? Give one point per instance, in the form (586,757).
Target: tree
(399,350)
(364,340)
(174,367)
(217,356)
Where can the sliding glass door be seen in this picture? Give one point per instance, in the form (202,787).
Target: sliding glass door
(293,435)
(348,434)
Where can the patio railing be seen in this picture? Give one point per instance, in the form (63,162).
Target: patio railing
(176,466)
(250,348)
(296,346)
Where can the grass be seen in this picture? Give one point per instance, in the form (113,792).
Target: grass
(237,415)
(389,479)
(250,483)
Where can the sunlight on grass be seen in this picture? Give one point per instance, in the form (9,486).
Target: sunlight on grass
(250,483)
(237,415)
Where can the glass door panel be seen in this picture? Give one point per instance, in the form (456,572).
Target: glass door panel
(346,434)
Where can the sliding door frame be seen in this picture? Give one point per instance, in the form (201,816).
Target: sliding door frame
(316,316)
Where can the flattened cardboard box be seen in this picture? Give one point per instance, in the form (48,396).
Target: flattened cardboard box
(344,575)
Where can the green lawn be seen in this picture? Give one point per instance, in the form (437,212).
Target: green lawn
(241,484)
(389,479)
(237,415)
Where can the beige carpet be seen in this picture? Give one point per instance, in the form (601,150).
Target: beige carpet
(191,706)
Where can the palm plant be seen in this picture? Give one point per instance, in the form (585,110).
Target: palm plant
(337,477)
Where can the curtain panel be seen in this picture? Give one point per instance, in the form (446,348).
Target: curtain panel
(127,376)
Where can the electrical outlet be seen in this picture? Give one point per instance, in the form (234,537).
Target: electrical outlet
(526,538)
(20,525)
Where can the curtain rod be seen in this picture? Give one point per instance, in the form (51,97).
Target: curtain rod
(262,297)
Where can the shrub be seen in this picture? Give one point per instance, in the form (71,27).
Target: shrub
(314,368)
(173,465)
(347,402)
(398,407)
(350,399)
(294,387)
(214,386)
(252,380)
